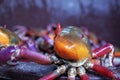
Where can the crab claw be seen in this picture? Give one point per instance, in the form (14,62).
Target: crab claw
(6,53)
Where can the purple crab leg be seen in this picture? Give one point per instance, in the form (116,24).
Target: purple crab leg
(13,52)
(21,32)
(20,29)
(6,53)
(47,40)
(34,56)
(31,45)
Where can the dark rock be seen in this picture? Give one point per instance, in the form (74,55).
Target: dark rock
(33,71)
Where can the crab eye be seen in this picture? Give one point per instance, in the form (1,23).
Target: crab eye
(54,27)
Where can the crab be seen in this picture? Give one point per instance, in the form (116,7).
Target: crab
(72,55)
(25,35)
(8,38)
(73,50)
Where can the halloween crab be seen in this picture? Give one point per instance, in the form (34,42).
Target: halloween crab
(72,55)
(8,38)
(72,49)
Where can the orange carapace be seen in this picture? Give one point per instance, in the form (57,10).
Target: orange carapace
(7,37)
(72,44)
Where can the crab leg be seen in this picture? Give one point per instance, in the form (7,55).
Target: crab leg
(12,52)
(31,45)
(48,40)
(102,50)
(51,76)
(5,54)
(106,49)
(34,56)
(71,74)
(21,31)
(102,70)
(81,72)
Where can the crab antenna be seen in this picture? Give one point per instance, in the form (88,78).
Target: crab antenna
(57,29)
